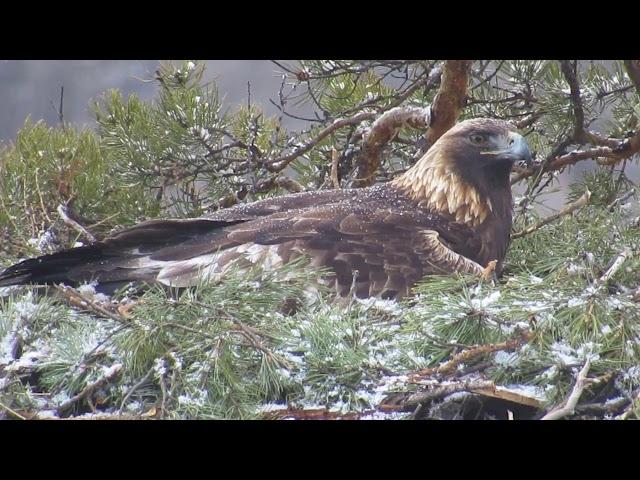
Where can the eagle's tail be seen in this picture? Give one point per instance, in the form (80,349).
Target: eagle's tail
(60,267)
(136,254)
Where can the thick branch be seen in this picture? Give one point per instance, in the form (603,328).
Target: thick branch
(383,130)
(569,70)
(450,100)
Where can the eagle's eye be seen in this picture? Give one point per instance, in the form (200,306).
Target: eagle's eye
(477,138)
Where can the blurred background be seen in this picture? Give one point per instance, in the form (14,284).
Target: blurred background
(32,87)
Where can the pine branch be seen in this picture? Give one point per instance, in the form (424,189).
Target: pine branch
(279,163)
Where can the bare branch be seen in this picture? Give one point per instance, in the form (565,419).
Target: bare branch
(473,353)
(445,390)
(572,207)
(505,394)
(622,150)
(277,164)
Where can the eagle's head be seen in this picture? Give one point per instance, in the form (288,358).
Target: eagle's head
(481,145)
(466,172)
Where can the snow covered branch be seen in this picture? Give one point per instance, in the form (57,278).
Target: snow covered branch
(85,393)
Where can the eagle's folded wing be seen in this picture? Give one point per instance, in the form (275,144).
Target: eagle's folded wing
(376,250)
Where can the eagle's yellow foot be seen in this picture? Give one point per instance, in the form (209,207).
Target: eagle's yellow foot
(124,309)
(489,272)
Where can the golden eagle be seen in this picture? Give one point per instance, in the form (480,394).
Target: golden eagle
(450,212)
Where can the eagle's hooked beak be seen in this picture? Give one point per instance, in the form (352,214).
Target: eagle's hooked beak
(519,149)
(516,150)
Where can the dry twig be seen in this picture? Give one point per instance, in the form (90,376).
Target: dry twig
(572,207)
(470,354)
(66,215)
(78,300)
(573,399)
(112,372)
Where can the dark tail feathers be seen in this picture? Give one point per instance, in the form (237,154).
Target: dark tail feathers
(58,267)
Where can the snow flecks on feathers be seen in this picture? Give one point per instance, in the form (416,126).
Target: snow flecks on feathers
(435,186)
